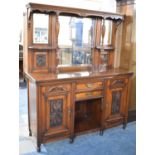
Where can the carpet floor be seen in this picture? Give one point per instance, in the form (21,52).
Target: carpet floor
(115,141)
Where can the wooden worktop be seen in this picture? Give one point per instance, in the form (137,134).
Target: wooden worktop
(35,77)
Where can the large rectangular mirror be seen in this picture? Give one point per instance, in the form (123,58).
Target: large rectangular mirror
(75,41)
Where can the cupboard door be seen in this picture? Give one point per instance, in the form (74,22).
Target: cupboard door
(116,101)
(57,113)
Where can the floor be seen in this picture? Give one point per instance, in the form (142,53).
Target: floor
(115,141)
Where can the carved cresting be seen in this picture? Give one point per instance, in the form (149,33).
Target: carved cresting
(56,112)
(116,101)
(41,60)
(57,89)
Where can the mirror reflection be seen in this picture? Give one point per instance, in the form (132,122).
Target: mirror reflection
(40,28)
(108,33)
(75,41)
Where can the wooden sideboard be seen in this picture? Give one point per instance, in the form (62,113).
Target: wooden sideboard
(73,87)
(66,105)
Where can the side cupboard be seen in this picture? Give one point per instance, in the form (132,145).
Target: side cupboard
(73,85)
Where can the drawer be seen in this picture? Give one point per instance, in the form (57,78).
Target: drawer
(90,85)
(87,95)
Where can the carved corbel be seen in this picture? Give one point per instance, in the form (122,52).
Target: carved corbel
(118,22)
(29,24)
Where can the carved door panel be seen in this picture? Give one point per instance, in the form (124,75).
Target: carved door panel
(116,100)
(57,112)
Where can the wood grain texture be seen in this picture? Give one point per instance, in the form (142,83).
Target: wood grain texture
(67,101)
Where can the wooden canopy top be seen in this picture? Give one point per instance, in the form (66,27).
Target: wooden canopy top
(59,10)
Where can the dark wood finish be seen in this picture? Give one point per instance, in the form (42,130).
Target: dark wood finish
(49,9)
(97,94)
(131,115)
(68,101)
(51,49)
(87,115)
(116,101)
(61,122)
(125,2)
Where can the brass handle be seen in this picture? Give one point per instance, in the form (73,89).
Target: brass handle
(69,112)
(89,94)
(89,85)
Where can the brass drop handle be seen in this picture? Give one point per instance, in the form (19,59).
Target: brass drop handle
(89,94)
(102,102)
(69,112)
(89,85)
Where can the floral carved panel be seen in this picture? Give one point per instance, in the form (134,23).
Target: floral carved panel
(41,60)
(56,112)
(116,101)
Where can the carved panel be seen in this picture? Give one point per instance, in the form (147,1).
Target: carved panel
(56,112)
(116,101)
(41,60)
(57,89)
(117,83)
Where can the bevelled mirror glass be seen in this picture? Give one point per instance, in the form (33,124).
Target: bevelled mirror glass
(75,40)
(40,28)
(108,32)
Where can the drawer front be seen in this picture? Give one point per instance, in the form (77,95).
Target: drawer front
(90,85)
(90,94)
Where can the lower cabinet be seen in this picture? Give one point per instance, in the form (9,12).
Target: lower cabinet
(60,110)
(116,102)
(56,111)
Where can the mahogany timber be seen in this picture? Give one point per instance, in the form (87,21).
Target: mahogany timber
(67,101)
(40,84)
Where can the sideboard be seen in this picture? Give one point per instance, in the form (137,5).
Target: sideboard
(73,85)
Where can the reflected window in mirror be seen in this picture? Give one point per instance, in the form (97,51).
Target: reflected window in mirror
(75,41)
(40,28)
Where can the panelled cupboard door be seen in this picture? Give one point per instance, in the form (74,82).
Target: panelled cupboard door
(56,112)
(116,100)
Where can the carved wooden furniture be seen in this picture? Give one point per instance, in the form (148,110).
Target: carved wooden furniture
(73,86)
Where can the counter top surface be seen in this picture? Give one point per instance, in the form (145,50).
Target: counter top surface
(37,77)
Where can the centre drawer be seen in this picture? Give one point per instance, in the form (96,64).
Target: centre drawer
(90,85)
(87,95)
